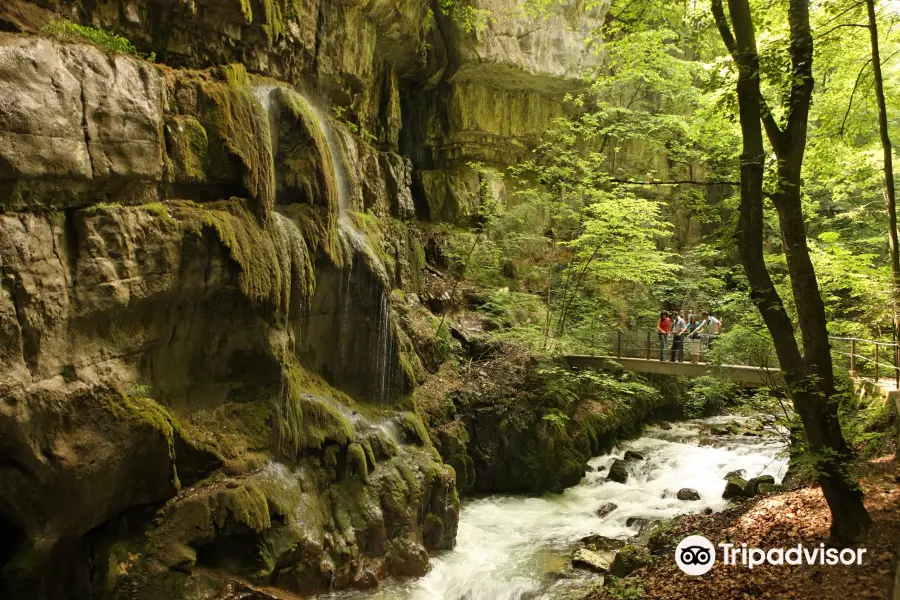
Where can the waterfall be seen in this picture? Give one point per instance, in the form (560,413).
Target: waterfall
(263,93)
(337,157)
(383,342)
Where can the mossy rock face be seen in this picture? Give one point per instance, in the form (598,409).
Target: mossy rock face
(356,462)
(453,440)
(240,142)
(188,148)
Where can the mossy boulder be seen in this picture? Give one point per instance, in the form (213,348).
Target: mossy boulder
(736,487)
(754,483)
(629,558)
(764,489)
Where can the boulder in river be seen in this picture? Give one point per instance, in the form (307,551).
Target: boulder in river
(606,509)
(618,472)
(642,523)
(599,562)
(767,488)
(602,543)
(707,511)
(735,473)
(735,488)
(753,484)
(664,426)
(631,455)
(629,558)
(688,494)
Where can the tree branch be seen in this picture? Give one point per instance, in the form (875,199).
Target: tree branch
(853,93)
(836,27)
(679,182)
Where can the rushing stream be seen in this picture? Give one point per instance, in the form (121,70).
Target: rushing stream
(509,548)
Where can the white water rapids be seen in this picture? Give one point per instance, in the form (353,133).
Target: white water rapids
(509,548)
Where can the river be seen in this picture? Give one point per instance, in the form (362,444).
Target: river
(513,548)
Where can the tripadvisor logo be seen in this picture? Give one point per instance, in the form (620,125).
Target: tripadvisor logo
(695,555)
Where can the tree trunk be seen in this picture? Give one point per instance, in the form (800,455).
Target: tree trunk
(808,376)
(890,197)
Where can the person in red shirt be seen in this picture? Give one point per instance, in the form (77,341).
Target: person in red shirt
(663,326)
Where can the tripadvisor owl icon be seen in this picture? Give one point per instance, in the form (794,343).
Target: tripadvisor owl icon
(695,555)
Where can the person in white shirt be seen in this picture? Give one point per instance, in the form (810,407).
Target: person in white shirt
(712,326)
(678,330)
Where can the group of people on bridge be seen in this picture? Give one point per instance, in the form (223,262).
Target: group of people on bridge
(681,326)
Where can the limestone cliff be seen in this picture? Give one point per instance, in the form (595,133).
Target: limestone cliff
(174,274)
(203,374)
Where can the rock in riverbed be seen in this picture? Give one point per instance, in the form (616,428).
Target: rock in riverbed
(688,494)
(767,488)
(631,455)
(599,562)
(618,472)
(735,488)
(606,509)
(753,484)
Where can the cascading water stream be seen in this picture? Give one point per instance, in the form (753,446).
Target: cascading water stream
(340,171)
(514,548)
(354,243)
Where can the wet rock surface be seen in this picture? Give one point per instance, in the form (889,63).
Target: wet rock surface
(618,472)
(688,494)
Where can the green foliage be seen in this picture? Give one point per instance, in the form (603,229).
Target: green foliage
(556,419)
(65,30)
(626,588)
(468,17)
(708,396)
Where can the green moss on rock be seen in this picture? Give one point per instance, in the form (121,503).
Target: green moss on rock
(307,172)
(356,462)
(307,421)
(148,412)
(246,505)
(274,261)
(238,129)
(188,148)
(413,429)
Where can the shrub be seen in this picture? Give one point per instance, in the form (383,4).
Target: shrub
(65,30)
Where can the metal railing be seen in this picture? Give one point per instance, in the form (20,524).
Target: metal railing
(862,358)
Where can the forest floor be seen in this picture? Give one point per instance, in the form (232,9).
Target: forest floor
(781,521)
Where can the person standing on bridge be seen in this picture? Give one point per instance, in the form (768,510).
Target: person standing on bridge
(663,326)
(694,329)
(713,327)
(678,331)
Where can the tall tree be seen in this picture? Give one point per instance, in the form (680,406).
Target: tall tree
(890,197)
(808,374)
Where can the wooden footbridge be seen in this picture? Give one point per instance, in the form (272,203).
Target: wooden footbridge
(872,361)
(744,374)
